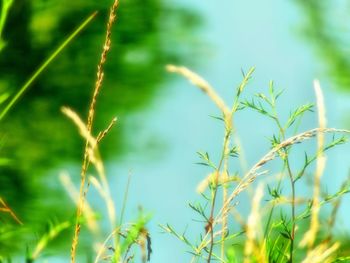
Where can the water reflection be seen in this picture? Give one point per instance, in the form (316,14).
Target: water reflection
(37,137)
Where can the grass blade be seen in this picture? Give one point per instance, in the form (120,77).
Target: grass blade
(45,64)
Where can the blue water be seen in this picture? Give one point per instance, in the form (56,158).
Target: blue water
(166,136)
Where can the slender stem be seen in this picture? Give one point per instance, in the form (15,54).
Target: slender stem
(228,124)
(272,210)
(292,183)
(210,221)
(223,160)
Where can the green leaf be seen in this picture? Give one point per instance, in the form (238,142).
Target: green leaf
(199,209)
(263,97)
(231,255)
(134,232)
(234,151)
(205,157)
(4,161)
(257,106)
(53,230)
(299,112)
(246,78)
(274,96)
(217,118)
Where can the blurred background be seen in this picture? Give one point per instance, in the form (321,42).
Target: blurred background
(162,120)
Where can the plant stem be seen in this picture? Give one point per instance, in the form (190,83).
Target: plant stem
(223,160)
(292,183)
(91,114)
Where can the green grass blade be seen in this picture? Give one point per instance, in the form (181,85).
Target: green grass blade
(45,64)
(6,4)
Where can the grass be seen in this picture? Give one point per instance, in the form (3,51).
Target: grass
(256,245)
(272,230)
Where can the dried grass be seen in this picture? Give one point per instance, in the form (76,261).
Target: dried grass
(310,235)
(91,114)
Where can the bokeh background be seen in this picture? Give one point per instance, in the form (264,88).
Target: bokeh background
(162,120)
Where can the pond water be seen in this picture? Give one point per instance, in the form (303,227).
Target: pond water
(162,128)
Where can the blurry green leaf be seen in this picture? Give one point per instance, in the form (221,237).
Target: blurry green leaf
(45,64)
(134,232)
(4,161)
(231,255)
(342,259)
(327,32)
(52,232)
(3,97)
(6,4)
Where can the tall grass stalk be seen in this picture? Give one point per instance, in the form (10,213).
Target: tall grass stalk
(73,193)
(95,159)
(46,63)
(253,229)
(91,143)
(221,171)
(310,236)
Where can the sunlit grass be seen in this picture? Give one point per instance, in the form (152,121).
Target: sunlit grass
(278,241)
(271,231)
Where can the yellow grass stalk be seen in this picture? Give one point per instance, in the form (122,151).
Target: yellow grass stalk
(204,184)
(74,195)
(95,159)
(252,247)
(202,84)
(84,131)
(310,235)
(322,254)
(223,164)
(91,114)
(104,191)
(103,246)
